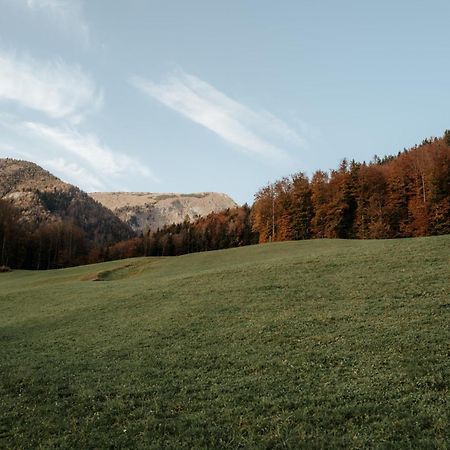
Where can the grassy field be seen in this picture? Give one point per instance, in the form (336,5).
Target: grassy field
(313,344)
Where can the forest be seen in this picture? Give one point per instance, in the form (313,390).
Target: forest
(406,195)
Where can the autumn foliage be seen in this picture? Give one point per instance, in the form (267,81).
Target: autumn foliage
(403,196)
(226,229)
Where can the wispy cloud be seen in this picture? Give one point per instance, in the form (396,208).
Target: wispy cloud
(52,87)
(88,148)
(257,132)
(74,173)
(66,14)
(77,157)
(69,171)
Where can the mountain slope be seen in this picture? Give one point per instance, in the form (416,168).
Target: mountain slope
(147,211)
(43,198)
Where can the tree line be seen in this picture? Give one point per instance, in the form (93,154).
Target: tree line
(406,195)
(403,196)
(64,244)
(49,246)
(226,229)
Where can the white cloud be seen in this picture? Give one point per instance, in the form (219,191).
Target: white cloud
(69,171)
(257,132)
(73,173)
(66,14)
(54,87)
(88,148)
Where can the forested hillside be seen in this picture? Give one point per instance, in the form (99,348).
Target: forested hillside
(403,196)
(43,199)
(227,229)
(46,223)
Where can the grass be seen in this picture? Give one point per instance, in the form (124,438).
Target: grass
(314,344)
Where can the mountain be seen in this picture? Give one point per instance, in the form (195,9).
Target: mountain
(147,211)
(43,198)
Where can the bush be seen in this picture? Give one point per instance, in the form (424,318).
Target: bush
(4,269)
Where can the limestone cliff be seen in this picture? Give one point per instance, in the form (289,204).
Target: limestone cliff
(147,211)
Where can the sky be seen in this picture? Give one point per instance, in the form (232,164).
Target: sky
(177,96)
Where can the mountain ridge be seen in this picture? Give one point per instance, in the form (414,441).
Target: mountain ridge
(147,211)
(42,198)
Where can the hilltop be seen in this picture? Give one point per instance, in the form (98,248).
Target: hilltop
(43,198)
(308,344)
(149,211)
(47,223)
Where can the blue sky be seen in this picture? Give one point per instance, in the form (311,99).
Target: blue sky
(175,96)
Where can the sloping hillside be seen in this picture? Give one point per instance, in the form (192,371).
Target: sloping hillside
(147,211)
(42,198)
(310,344)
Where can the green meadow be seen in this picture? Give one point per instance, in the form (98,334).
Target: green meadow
(309,344)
